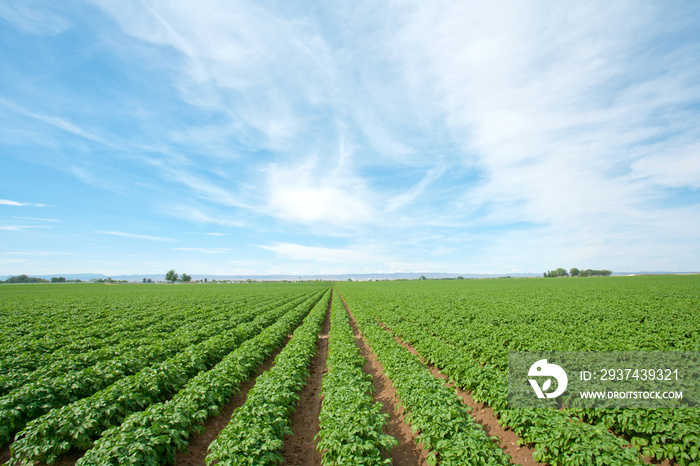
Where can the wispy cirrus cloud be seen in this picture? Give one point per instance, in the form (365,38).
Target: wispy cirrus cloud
(40,18)
(36,253)
(223,48)
(558,120)
(405,135)
(52,220)
(58,122)
(21,227)
(206,250)
(135,236)
(299,252)
(20,204)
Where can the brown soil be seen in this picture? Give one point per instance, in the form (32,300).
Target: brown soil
(667,462)
(408,452)
(198,444)
(300,448)
(484,415)
(68,459)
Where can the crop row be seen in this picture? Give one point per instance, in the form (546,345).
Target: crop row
(71,360)
(255,434)
(78,424)
(39,396)
(498,317)
(444,425)
(75,347)
(558,438)
(154,436)
(50,328)
(658,434)
(21,357)
(351,423)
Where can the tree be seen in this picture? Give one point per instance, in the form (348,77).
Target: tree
(171,276)
(25,279)
(562,272)
(574,272)
(186,278)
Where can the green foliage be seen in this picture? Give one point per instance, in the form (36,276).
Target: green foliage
(78,424)
(467,333)
(560,272)
(435,412)
(24,279)
(255,434)
(351,424)
(155,435)
(171,276)
(45,390)
(130,372)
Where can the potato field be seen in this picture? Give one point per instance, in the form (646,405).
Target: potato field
(314,373)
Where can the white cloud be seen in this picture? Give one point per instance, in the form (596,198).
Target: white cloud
(34,17)
(133,235)
(12,203)
(37,219)
(555,106)
(415,191)
(678,168)
(341,257)
(313,193)
(205,188)
(58,122)
(194,214)
(449,136)
(21,227)
(238,58)
(206,250)
(18,204)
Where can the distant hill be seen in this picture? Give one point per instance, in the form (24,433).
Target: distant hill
(337,277)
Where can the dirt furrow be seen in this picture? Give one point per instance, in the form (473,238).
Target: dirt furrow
(198,444)
(484,415)
(407,452)
(300,448)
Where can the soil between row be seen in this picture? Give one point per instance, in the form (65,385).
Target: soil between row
(482,413)
(407,452)
(299,448)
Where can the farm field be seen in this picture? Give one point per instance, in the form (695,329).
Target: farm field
(409,372)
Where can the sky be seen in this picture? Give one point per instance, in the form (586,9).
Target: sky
(298,137)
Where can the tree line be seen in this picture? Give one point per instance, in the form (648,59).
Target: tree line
(574,272)
(172,277)
(24,279)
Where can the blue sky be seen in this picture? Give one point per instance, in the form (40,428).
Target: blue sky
(233,137)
